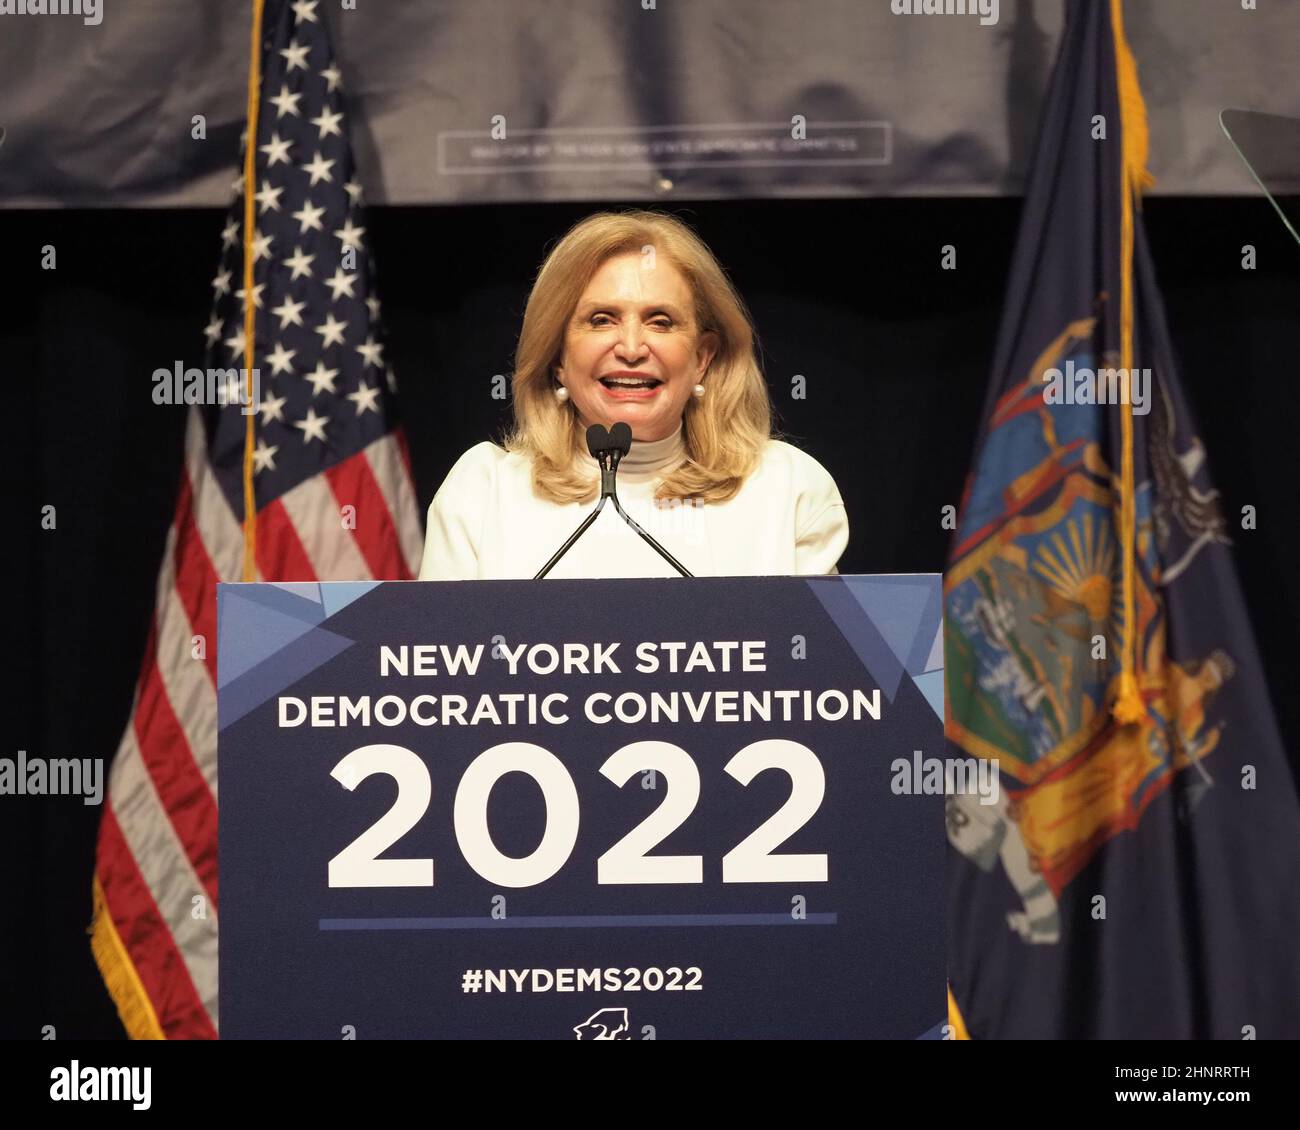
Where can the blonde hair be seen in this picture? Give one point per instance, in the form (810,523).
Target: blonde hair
(725,430)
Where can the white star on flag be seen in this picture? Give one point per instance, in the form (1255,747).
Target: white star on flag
(371,351)
(333,76)
(309,217)
(328,123)
(272,408)
(366,398)
(313,426)
(342,283)
(349,235)
(319,169)
(264,457)
(289,311)
(269,198)
(331,331)
(299,263)
(285,103)
(276,151)
(322,378)
(295,55)
(279,359)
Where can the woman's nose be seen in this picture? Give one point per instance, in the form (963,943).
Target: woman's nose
(631,340)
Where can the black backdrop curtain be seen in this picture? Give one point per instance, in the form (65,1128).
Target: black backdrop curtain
(850,294)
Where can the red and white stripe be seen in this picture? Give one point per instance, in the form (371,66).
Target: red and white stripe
(157,853)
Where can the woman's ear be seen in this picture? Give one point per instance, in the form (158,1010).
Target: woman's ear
(707,349)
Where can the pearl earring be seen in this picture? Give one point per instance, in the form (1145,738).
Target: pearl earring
(698,390)
(561,394)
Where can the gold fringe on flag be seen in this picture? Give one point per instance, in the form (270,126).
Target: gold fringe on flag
(120,977)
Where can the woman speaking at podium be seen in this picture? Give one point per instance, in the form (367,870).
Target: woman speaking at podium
(632,319)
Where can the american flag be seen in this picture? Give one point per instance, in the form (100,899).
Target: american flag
(334,501)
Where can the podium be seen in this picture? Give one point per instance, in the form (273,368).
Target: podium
(595,809)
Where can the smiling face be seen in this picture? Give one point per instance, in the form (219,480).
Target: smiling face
(632,350)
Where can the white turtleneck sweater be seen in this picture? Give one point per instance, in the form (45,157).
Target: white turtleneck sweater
(487,523)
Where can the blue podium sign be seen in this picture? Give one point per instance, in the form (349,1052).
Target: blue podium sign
(605,809)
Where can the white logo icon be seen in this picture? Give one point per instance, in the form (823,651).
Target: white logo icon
(606,1024)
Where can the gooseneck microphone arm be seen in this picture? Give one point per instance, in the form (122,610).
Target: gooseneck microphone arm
(587,521)
(608,449)
(650,540)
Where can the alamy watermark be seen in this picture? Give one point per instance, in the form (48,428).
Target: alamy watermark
(179,385)
(931,776)
(60,776)
(90,11)
(78,1083)
(1098,386)
(674,521)
(987,10)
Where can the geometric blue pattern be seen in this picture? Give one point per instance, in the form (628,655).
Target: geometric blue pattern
(894,625)
(857,625)
(271,635)
(935,661)
(305,589)
(906,610)
(931,685)
(263,682)
(255,622)
(337,595)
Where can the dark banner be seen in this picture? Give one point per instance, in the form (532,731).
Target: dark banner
(141,102)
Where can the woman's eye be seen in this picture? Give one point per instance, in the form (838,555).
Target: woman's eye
(605,319)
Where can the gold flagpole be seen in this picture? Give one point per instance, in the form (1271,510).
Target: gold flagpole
(250,307)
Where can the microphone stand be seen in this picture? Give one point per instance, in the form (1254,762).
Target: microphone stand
(608,450)
(576,533)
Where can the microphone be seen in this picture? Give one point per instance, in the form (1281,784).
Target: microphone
(601,445)
(620,438)
(620,443)
(598,440)
(608,447)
